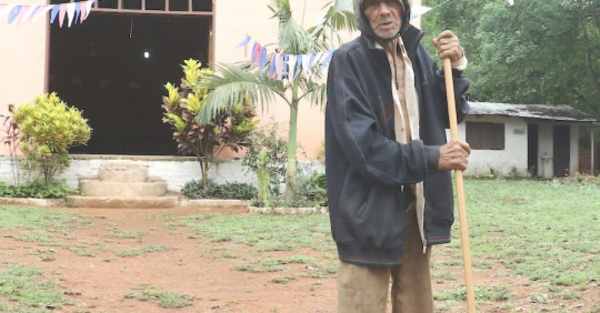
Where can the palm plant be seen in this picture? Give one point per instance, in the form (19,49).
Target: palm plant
(233,82)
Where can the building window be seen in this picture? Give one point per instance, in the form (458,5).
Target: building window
(485,136)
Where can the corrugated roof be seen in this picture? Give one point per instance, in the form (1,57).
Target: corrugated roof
(531,111)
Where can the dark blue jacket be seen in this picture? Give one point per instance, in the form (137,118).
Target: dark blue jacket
(366,167)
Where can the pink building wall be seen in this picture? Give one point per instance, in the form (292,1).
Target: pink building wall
(23,60)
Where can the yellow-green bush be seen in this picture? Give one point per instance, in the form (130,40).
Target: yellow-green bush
(48,129)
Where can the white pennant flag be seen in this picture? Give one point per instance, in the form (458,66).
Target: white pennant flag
(88,8)
(305,59)
(292,66)
(316,62)
(6,8)
(417,11)
(71,12)
(41,12)
(27,15)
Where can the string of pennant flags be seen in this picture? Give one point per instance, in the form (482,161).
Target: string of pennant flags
(286,65)
(65,13)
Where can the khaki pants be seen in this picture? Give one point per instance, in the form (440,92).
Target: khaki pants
(364,289)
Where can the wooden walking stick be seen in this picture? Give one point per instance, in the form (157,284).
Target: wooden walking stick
(460,191)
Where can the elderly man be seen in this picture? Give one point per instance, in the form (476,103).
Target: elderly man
(388,161)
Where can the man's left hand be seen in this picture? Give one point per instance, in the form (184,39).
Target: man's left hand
(448,46)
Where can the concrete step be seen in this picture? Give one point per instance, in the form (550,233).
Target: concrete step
(122,202)
(123,172)
(94,188)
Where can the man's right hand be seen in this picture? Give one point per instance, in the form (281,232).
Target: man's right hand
(453,156)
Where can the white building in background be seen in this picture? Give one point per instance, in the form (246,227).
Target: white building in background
(514,140)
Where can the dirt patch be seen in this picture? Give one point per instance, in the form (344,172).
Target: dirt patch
(94,279)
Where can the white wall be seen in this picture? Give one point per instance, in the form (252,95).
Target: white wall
(515,155)
(504,162)
(574,160)
(175,170)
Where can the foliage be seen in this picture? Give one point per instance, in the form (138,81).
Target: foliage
(48,128)
(240,191)
(538,52)
(6,190)
(266,157)
(42,190)
(578,179)
(24,217)
(495,293)
(232,82)
(166,299)
(227,128)
(11,139)
(25,290)
(35,189)
(311,189)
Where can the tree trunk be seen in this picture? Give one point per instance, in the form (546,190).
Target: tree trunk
(203,171)
(291,173)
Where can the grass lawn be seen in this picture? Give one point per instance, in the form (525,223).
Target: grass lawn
(546,233)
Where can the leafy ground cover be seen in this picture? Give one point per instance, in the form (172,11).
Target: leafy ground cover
(535,248)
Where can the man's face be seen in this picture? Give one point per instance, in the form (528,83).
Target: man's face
(385,17)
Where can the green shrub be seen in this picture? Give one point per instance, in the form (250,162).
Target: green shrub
(48,128)
(6,190)
(267,158)
(42,190)
(35,189)
(240,191)
(310,189)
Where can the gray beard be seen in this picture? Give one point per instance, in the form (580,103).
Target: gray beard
(384,41)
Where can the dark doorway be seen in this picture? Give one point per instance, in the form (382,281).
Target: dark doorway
(562,150)
(114,66)
(533,143)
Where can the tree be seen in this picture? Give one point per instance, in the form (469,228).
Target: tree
(227,128)
(536,51)
(232,82)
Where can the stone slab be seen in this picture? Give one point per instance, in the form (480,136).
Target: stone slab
(33,202)
(96,188)
(121,202)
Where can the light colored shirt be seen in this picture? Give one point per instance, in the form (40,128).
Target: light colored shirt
(406,113)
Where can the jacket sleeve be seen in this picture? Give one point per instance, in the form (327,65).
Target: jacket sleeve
(355,126)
